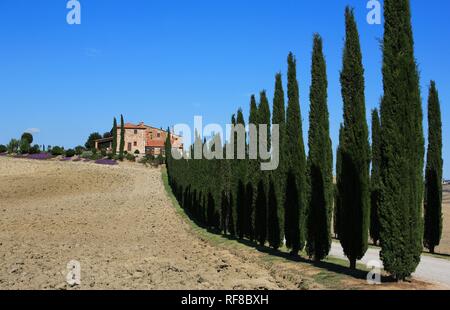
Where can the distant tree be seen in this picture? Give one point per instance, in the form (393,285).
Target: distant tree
(168,148)
(114,135)
(35,149)
(107,135)
(27,136)
(3,148)
(79,150)
(24,146)
(122,137)
(375,178)
(355,150)
(433,173)
(90,143)
(69,153)
(13,146)
(57,150)
(294,158)
(320,160)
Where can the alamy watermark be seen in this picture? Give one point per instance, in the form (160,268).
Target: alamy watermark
(236,148)
(374,275)
(374,15)
(74,15)
(73,276)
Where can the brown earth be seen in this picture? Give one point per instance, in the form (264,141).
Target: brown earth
(122,227)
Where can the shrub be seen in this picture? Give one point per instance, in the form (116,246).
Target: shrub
(137,152)
(79,150)
(103,152)
(131,157)
(86,154)
(70,153)
(24,146)
(35,149)
(96,156)
(13,146)
(3,148)
(57,150)
(143,160)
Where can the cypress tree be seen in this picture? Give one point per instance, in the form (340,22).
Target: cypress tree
(338,189)
(294,166)
(241,171)
(355,157)
(433,173)
(320,160)
(375,181)
(276,194)
(261,198)
(122,137)
(114,136)
(168,148)
(253,174)
(402,145)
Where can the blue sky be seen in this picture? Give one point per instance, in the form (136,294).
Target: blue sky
(163,62)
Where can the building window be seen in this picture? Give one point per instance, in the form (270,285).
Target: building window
(135,131)
(151,136)
(159,135)
(135,143)
(129,147)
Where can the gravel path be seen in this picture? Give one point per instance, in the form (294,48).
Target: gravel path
(431,269)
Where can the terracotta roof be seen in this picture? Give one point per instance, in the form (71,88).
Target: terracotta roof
(133,126)
(154,143)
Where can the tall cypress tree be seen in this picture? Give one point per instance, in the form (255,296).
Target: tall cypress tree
(402,145)
(276,194)
(338,186)
(114,135)
(262,189)
(375,179)
(168,148)
(294,159)
(433,173)
(320,160)
(122,137)
(241,176)
(355,151)
(253,176)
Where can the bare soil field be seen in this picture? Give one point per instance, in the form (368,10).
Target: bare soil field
(121,225)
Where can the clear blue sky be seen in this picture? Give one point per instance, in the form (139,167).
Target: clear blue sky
(163,62)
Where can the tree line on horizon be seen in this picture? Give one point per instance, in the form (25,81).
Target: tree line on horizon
(379,192)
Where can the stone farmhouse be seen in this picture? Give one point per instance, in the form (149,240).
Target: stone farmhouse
(142,138)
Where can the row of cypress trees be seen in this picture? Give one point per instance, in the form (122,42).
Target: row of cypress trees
(237,198)
(295,202)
